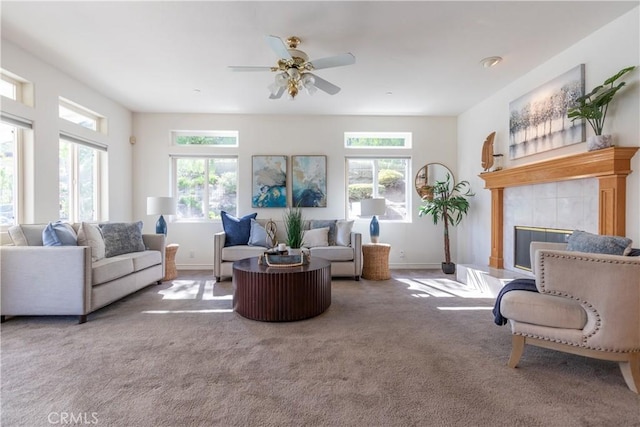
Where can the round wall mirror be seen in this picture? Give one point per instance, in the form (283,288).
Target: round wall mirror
(427,177)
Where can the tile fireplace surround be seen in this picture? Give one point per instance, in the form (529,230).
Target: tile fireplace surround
(609,167)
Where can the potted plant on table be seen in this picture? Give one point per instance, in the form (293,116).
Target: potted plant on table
(593,108)
(294,226)
(448,204)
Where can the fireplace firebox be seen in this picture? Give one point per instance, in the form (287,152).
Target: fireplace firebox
(525,235)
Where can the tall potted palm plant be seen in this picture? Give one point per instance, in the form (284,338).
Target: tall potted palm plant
(448,204)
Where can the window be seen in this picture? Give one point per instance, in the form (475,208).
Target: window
(16,88)
(9,166)
(9,88)
(379,177)
(81,116)
(80,170)
(205,186)
(377,139)
(211,138)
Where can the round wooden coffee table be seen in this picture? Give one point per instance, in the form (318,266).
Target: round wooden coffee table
(279,294)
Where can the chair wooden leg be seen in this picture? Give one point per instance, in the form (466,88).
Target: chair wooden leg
(631,373)
(517,348)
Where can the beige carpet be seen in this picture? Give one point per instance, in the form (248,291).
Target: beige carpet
(415,350)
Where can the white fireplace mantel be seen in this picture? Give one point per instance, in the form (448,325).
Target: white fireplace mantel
(610,166)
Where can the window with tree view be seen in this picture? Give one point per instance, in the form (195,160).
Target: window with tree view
(205,186)
(215,138)
(377,139)
(379,177)
(8,173)
(79,182)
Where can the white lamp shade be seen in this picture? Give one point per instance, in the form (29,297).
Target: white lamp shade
(161,206)
(370,207)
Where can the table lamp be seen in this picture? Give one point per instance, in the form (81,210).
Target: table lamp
(373,207)
(161,206)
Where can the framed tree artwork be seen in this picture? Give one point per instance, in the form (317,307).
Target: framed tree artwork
(309,181)
(269,182)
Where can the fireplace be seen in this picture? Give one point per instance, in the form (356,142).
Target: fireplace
(610,166)
(525,235)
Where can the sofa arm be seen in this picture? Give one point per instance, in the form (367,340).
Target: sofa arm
(356,242)
(156,242)
(60,285)
(218,244)
(607,287)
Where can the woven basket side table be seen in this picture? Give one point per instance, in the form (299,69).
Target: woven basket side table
(375,261)
(170,271)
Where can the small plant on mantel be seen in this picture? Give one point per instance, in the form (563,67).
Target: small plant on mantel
(294,226)
(448,204)
(593,108)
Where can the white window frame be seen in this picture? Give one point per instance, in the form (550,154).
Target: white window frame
(407,136)
(205,196)
(99,189)
(408,217)
(98,121)
(18,168)
(212,133)
(17,87)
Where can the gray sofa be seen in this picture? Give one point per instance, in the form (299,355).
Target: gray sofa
(63,280)
(346,261)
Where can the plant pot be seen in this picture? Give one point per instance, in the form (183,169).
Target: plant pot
(598,142)
(294,251)
(448,267)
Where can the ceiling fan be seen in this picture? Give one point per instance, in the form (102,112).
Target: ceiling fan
(294,69)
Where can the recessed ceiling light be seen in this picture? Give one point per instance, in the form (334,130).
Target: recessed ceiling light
(491,61)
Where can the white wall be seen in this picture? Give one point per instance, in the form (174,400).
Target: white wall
(434,140)
(49,84)
(604,53)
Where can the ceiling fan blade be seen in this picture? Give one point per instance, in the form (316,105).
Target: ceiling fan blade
(278,94)
(333,61)
(278,47)
(248,68)
(325,86)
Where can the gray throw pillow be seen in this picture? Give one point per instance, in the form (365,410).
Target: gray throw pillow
(581,241)
(122,238)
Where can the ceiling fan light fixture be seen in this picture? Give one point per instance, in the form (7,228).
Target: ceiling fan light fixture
(491,61)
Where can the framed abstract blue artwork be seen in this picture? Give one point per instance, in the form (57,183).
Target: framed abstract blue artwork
(309,181)
(269,184)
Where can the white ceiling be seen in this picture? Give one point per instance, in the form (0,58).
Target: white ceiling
(412,58)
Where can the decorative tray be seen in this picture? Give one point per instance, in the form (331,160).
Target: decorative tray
(273,260)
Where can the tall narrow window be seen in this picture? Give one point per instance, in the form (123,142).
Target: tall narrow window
(205,186)
(80,181)
(379,177)
(9,166)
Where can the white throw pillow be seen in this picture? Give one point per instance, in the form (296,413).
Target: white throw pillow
(90,235)
(316,237)
(343,232)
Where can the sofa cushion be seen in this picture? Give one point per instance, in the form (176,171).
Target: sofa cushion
(108,269)
(316,237)
(90,235)
(581,241)
(59,234)
(333,253)
(237,230)
(238,252)
(544,310)
(343,232)
(257,235)
(331,223)
(26,234)
(122,238)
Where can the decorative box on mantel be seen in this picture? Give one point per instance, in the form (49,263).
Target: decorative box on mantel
(610,166)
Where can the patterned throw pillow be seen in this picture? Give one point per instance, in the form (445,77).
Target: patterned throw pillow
(237,230)
(122,238)
(581,241)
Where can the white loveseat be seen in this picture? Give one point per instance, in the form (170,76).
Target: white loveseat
(346,261)
(63,280)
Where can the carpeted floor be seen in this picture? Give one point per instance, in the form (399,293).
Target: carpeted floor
(415,350)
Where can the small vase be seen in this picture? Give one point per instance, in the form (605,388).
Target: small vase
(598,142)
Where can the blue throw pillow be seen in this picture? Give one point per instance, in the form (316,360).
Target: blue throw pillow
(59,234)
(237,230)
(258,235)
